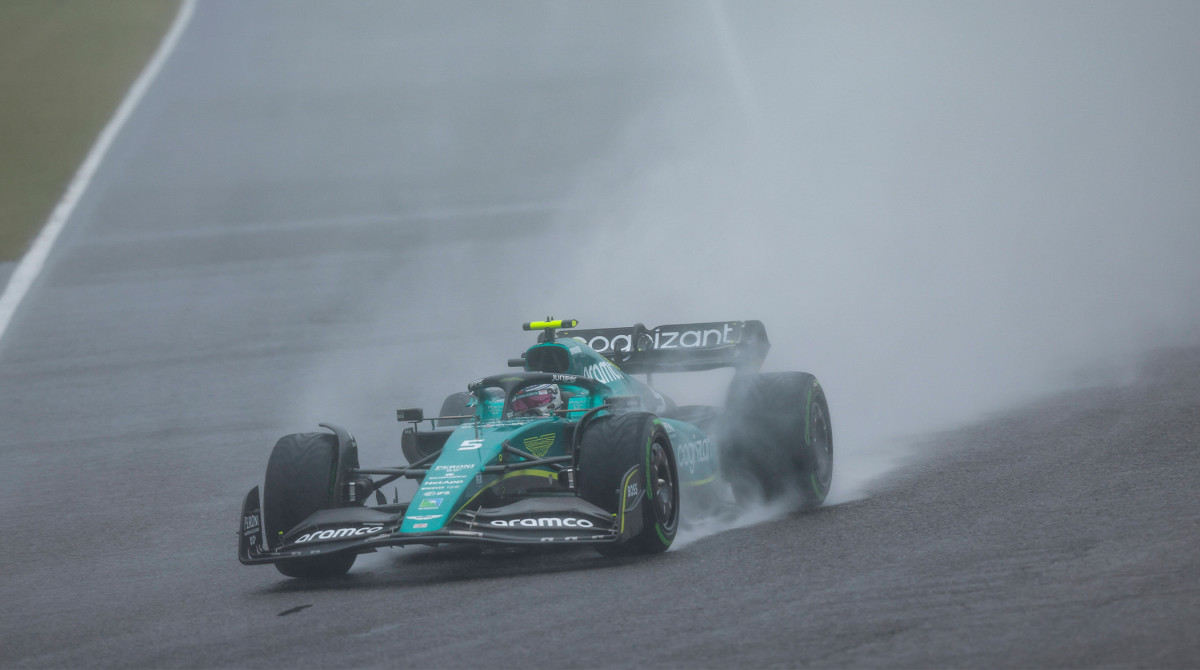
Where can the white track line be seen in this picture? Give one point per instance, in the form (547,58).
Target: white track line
(32,262)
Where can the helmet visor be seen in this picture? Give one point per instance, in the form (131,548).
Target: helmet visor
(534,398)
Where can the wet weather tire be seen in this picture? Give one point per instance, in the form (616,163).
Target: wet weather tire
(627,462)
(301,479)
(456,404)
(777,439)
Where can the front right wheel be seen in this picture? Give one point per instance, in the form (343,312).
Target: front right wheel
(301,475)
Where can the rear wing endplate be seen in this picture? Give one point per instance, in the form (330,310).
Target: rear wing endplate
(685,347)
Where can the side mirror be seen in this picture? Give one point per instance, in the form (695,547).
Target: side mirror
(416,414)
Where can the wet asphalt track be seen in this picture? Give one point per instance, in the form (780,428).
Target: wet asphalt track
(208,297)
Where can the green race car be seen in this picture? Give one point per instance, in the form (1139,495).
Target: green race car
(572,449)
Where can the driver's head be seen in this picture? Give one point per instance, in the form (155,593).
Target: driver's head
(538,400)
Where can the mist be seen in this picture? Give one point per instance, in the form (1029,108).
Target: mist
(943,210)
(940,209)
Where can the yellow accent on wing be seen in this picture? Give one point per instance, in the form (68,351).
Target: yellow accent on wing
(525,472)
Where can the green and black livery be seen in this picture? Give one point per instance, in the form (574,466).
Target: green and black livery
(609,467)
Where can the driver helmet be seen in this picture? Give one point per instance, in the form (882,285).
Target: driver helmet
(537,400)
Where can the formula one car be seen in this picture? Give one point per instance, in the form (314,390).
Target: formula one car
(572,449)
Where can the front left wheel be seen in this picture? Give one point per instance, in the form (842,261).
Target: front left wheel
(626,465)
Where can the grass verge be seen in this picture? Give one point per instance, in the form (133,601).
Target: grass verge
(65,66)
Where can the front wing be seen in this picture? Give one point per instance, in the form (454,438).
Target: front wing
(541,520)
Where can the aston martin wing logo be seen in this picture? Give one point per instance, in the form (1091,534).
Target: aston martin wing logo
(538,446)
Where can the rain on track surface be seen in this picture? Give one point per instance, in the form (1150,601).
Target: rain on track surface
(209,297)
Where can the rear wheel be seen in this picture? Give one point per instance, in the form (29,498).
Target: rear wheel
(301,477)
(455,404)
(627,462)
(778,439)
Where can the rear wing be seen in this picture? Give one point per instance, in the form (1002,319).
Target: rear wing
(686,347)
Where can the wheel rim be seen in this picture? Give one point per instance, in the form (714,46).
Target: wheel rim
(662,483)
(822,446)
